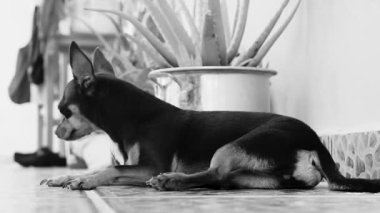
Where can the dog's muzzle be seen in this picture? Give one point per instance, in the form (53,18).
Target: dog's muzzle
(64,130)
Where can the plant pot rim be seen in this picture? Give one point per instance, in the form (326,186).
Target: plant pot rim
(212,70)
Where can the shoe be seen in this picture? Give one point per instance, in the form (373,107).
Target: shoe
(43,157)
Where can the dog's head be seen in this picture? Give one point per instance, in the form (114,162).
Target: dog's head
(78,92)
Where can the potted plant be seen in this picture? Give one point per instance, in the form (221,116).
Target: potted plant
(198,55)
(130,63)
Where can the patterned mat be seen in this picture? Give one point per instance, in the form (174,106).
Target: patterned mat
(356,154)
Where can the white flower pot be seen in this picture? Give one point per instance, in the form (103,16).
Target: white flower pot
(214,88)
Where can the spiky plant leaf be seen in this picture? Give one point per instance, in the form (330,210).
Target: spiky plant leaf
(119,31)
(149,50)
(176,27)
(190,22)
(266,47)
(98,35)
(156,43)
(210,51)
(225,21)
(240,22)
(200,11)
(252,51)
(216,17)
(163,26)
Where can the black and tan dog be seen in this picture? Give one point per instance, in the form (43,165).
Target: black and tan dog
(173,149)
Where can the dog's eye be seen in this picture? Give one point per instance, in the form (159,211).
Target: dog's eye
(65,112)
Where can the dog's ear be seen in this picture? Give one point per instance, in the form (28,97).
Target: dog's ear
(81,66)
(101,64)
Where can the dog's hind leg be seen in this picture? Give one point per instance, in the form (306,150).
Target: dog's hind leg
(211,179)
(259,159)
(229,168)
(179,181)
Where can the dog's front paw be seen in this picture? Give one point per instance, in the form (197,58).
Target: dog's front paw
(168,182)
(82,183)
(57,181)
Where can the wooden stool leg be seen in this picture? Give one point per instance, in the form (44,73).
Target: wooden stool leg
(51,68)
(40,127)
(62,84)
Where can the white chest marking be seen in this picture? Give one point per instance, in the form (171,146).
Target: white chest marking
(133,154)
(174,165)
(116,153)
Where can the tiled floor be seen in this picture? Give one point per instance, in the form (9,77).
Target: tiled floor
(20,192)
(131,199)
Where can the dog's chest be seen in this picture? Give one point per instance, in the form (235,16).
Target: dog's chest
(132,151)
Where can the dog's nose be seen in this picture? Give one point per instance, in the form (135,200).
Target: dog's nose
(63,133)
(60,132)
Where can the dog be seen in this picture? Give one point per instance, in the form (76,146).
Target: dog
(169,148)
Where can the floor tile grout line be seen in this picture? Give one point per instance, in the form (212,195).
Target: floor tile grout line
(100,204)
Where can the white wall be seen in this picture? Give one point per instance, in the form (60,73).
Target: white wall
(17,122)
(327,62)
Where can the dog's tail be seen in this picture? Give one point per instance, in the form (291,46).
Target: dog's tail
(337,181)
